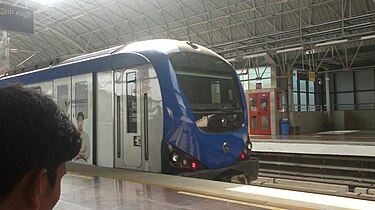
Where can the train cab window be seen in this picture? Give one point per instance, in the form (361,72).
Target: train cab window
(62,97)
(211,82)
(213,91)
(81,99)
(131,97)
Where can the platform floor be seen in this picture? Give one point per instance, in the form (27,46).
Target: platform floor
(91,187)
(346,143)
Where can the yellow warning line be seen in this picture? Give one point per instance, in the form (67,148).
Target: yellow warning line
(79,175)
(230,201)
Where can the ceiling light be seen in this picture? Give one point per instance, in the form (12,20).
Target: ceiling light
(331,42)
(289,50)
(254,55)
(368,37)
(45,2)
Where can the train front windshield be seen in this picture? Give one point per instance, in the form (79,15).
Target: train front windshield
(211,89)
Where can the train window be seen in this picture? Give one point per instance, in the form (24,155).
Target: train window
(215,92)
(81,99)
(210,81)
(131,97)
(62,97)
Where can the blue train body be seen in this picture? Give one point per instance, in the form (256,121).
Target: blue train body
(194,135)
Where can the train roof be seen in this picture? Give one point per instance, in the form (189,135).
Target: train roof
(165,46)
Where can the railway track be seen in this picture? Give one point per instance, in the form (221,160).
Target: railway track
(348,176)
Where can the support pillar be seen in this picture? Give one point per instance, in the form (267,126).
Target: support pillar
(4,54)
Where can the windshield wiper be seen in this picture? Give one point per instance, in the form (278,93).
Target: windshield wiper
(218,110)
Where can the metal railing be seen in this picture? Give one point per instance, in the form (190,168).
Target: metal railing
(334,107)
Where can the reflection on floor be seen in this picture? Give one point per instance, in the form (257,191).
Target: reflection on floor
(84,193)
(127,189)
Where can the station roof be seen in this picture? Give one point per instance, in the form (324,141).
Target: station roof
(236,29)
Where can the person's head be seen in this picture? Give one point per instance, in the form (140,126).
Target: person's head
(80,118)
(36,140)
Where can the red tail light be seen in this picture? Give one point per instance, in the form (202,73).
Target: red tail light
(242,156)
(193,165)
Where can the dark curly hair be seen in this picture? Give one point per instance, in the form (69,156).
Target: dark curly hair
(34,134)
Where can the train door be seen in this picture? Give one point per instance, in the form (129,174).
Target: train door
(259,113)
(128,138)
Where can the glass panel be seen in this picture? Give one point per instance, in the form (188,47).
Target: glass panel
(207,82)
(263,103)
(295,80)
(302,85)
(303,102)
(131,96)
(311,86)
(245,85)
(264,122)
(295,101)
(62,97)
(254,123)
(264,72)
(253,104)
(81,99)
(215,92)
(312,102)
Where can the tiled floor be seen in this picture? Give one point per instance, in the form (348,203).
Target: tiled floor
(84,193)
(84,187)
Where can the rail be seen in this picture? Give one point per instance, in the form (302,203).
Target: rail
(334,107)
(359,171)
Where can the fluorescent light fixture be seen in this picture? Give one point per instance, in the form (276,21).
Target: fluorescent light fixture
(254,55)
(331,42)
(368,37)
(289,50)
(45,2)
(231,59)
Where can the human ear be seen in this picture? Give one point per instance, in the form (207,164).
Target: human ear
(38,185)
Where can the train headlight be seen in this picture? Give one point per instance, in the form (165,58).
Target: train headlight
(184,162)
(174,158)
(249,146)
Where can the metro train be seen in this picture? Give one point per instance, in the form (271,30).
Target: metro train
(161,106)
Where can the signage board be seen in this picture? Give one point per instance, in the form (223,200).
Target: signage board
(311,75)
(16,19)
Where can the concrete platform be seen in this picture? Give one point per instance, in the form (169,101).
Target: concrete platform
(346,143)
(91,187)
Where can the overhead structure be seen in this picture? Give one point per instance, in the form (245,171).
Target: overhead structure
(237,28)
